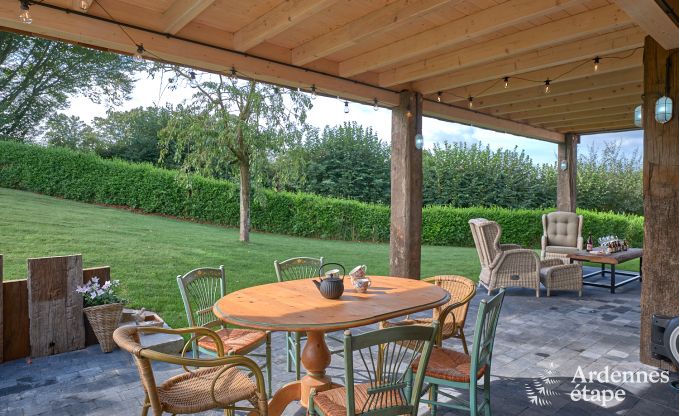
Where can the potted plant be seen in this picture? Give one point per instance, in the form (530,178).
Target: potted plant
(103,308)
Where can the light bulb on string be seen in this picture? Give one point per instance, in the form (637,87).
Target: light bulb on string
(471,101)
(438,96)
(139,55)
(24,13)
(84,5)
(313,92)
(506,82)
(193,82)
(375,104)
(346,107)
(547,89)
(596,63)
(232,74)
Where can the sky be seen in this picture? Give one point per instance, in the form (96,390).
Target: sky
(149,92)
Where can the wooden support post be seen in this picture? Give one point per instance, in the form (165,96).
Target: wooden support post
(406,187)
(660,287)
(566,191)
(1,308)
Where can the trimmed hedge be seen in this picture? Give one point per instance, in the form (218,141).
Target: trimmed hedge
(89,178)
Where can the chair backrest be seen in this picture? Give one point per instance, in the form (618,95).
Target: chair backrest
(486,238)
(562,228)
(461,290)
(200,289)
(297,268)
(484,333)
(382,359)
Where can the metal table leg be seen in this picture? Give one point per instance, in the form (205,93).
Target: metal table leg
(612,278)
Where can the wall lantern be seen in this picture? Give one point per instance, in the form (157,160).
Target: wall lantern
(419,141)
(563,165)
(638,116)
(663,110)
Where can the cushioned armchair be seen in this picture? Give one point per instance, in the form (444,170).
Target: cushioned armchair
(562,235)
(505,265)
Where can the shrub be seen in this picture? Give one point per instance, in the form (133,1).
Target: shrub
(89,178)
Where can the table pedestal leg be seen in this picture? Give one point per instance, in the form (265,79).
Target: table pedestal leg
(315,359)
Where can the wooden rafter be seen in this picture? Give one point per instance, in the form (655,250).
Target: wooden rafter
(600,20)
(654,20)
(478,24)
(601,126)
(606,44)
(547,101)
(580,115)
(631,99)
(182,12)
(621,118)
(381,20)
(282,17)
(528,80)
(590,83)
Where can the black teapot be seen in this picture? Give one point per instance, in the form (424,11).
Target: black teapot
(332,285)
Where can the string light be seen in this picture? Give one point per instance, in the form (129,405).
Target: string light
(313,92)
(471,101)
(506,82)
(346,107)
(547,86)
(24,13)
(139,55)
(193,83)
(84,4)
(375,106)
(438,96)
(596,63)
(232,74)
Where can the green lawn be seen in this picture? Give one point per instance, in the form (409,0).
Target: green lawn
(147,252)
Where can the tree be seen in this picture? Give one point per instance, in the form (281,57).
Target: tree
(38,76)
(133,135)
(231,123)
(71,132)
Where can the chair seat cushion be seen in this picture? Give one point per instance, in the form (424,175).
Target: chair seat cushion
(450,365)
(190,392)
(235,340)
(561,249)
(449,328)
(333,402)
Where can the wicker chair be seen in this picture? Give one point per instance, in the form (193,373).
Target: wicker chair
(294,269)
(562,235)
(200,290)
(505,265)
(451,369)
(205,384)
(382,361)
(451,316)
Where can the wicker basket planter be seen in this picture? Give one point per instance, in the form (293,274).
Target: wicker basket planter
(104,320)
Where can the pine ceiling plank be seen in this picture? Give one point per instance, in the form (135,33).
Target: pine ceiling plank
(654,20)
(182,12)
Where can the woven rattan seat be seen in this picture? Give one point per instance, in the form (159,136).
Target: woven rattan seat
(450,365)
(236,340)
(333,402)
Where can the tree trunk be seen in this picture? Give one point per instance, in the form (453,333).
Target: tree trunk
(245,201)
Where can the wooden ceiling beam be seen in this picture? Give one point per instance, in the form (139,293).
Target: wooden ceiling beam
(486,21)
(579,26)
(579,115)
(593,82)
(601,45)
(182,12)
(282,17)
(526,80)
(601,127)
(622,118)
(662,25)
(477,119)
(598,105)
(381,20)
(547,101)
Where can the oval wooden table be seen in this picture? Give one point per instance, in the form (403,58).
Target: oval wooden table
(298,306)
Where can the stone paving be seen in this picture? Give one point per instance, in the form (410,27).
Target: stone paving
(539,346)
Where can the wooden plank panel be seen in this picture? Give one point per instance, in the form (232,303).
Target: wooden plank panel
(104,275)
(15,338)
(55,310)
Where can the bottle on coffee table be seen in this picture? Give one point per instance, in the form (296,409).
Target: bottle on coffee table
(590,243)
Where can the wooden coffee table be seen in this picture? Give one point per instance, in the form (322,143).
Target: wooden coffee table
(612,260)
(298,306)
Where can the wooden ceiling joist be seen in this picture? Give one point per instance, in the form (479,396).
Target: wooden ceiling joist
(601,126)
(381,20)
(631,99)
(182,12)
(580,115)
(481,23)
(662,25)
(597,21)
(280,18)
(594,82)
(604,129)
(572,52)
(572,124)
